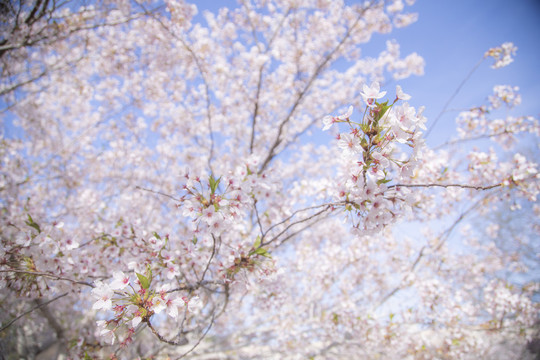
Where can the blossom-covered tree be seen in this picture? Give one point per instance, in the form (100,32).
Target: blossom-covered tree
(172,192)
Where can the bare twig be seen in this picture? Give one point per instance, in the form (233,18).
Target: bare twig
(158,193)
(452,98)
(447,186)
(293,224)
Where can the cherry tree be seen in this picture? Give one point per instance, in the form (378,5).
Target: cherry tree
(250,187)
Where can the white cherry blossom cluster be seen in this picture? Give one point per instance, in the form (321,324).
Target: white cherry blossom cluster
(479,122)
(503,54)
(371,158)
(134,302)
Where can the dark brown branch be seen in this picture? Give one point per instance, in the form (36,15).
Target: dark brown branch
(259,82)
(473,138)
(307,226)
(256,110)
(293,214)
(258,217)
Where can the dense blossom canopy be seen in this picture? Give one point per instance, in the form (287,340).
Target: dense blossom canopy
(168,189)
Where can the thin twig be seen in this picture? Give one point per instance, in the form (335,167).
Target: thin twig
(452,98)
(293,224)
(193,287)
(447,186)
(158,193)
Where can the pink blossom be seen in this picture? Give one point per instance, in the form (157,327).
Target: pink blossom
(350,144)
(104,294)
(120,280)
(328,120)
(372,93)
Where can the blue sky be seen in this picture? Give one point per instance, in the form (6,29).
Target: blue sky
(452,36)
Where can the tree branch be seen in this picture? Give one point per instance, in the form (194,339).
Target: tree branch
(326,60)
(52,276)
(447,186)
(29,311)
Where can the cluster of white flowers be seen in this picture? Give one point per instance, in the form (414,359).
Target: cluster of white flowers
(371,159)
(503,54)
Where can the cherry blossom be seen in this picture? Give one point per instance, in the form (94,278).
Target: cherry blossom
(372,93)
(328,120)
(502,54)
(120,281)
(103,293)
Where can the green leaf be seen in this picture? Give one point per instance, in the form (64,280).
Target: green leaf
(30,222)
(262,252)
(145,283)
(383,108)
(335,318)
(257,242)
(383,181)
(156,235)
(194,240)
(149,273)
(213,183)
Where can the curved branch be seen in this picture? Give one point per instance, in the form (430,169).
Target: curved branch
(29,311)
(329,205)
(182,341)
(194,287)
(293,224)
(200,339)
(209,260)
(52,276)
